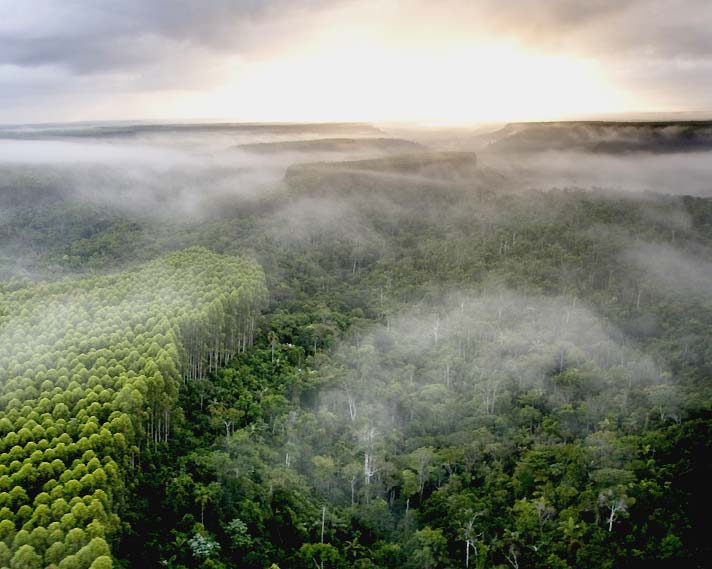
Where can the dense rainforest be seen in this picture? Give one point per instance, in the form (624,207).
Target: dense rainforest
(407,361)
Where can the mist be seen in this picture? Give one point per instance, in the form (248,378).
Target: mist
(477,347)
(680,173)
(677,273)
(176,172)
(194,172)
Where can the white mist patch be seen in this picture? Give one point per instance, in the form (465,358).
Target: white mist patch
(684,173)
(60,152)
(172,170)
(437,370)
(139,178)
(671,270)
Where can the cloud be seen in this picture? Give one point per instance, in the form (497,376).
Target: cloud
(90,37)
(95,36)
(67,61)
(648,28)
(78,60)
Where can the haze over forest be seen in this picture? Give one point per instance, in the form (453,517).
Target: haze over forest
(430,288)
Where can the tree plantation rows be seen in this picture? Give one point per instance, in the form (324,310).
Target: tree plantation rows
(90,369)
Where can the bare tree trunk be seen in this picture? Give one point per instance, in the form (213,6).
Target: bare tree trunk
(323,519)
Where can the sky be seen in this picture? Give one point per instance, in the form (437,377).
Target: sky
(429,61)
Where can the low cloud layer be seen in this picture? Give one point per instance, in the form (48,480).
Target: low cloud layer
(675,173)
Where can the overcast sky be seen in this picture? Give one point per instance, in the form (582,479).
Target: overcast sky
(302,60)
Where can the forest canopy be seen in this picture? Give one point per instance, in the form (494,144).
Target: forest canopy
(298,352)
(90,369)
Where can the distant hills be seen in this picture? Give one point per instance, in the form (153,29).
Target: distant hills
(417,164)
(120,130)
(604,137)
(427,169)
(358,139)
(337,145)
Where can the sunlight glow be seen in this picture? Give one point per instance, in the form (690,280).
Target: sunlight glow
(460,84)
